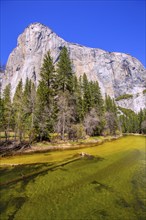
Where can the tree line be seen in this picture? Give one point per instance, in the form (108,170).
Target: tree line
(64,106)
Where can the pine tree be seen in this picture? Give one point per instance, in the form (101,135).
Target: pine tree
(32,115)
(1,115)
(48,78)
(18,111)
(26,99)
(86,95)
(112,122)
(65,73)
(79,101)
(98,100)
(26,93)
(123,123)
(98,104)
(7,110)
(66,100)
(45,103)
(130,121)
(141,119)
(29,97)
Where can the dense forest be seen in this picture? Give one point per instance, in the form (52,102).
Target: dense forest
(64,107)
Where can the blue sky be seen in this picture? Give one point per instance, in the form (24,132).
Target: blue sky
(116,26)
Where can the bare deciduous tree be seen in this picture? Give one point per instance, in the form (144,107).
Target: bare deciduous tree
(91,122)
(65,114)
(111,122)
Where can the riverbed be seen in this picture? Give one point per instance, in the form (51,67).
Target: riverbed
(63,185)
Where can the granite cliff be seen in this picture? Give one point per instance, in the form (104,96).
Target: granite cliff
(117,73)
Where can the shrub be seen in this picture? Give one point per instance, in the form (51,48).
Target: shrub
(126,111)
(54,137)
(124,96)
(77,132)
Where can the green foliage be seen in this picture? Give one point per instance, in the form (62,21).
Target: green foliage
(76,132)
(141,118)
(143,127)
(47,78)
(1,114)
(87,100)
(124,96)
(29,100)
(89,97)
(125,111)
(23,111)
(97,100)
(130,121)
(44,111)
(6,111)
(110,105)
(18,111)
(78,93)
(64,72)
(112,122)
(65,105)
(144,91)
(67,85)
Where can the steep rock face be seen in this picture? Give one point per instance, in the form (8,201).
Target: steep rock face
(117,73)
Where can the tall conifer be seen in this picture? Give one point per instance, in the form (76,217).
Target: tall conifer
(45,99)
(18,111)
(7,113)
(65,73)
(29,98)
(87,100)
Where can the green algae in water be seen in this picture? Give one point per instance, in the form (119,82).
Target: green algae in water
(110,188)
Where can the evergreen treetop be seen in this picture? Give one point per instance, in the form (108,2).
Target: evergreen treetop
(65,73)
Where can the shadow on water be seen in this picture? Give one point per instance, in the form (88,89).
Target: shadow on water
(63,169)
(99,186)
(122,202)
(23,168)
(23,173)
(18,184)
(17,202)
(3,207)
(28,172)
(139,191)
(103,213)
(18,177)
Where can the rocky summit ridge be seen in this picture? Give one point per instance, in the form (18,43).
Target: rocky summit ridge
(117,73)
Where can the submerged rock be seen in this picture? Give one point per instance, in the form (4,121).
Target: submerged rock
(83,154)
